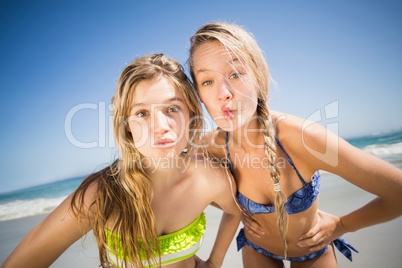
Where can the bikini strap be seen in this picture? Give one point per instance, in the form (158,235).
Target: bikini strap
(290,161)
(280,146)
(228,154)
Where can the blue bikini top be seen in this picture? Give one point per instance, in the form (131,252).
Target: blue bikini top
(297,202)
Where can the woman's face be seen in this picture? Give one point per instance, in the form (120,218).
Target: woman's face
(159,118)
(225,85)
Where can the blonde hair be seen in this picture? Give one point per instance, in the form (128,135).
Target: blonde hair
(241,43)
(124,191)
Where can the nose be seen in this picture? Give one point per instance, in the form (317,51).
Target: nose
(161,123)
(224,93)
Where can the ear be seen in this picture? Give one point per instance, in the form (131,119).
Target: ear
(127,127)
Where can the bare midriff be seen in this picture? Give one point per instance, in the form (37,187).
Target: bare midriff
(299,224)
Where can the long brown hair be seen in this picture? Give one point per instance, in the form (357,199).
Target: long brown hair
(241,43)
(124,191)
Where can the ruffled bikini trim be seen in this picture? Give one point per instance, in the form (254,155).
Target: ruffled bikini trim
(184,238)
(170,243)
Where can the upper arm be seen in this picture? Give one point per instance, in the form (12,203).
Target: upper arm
(50,238)
(211,146)
(220,184)
(367,171)
(323,150)
(223,189)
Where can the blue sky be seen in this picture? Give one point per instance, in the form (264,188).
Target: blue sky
(56,56)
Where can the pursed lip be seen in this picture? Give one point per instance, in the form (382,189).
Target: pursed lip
(227,112)
(226,108)
(164,142)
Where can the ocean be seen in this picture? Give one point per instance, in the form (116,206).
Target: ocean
(43,199)
(385,146)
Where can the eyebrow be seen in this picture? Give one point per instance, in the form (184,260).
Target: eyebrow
(165,101)
(235,59)
(206,70)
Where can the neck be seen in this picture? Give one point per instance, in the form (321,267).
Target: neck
(163,169)
(249,137)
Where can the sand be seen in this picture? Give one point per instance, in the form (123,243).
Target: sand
(379,245)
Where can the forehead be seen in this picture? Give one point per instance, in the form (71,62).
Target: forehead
(155,91)
(212,56)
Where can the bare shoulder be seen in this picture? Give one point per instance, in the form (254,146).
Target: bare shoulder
(215,183)
(212,144)
(209,173)
(313,147)
(288,128)
(84,199)
(86,193)
(306,140)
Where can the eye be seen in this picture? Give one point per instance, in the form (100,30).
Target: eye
(173,109)
(141,113)
(207,83)
(235,75)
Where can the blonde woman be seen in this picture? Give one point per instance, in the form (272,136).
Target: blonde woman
(270,156)
(146,209)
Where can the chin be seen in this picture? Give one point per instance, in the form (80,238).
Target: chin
(170,152)
(230,125)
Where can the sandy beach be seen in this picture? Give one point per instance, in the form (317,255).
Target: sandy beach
(379,245)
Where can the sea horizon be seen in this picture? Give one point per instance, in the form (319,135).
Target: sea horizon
(43,198)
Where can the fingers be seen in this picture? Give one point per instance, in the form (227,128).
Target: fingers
(253,233)
(248,227)
(247,221)
(315,241)
(313,231)
(252,226)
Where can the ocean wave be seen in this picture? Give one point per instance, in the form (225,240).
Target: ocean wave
(384,149)
(24,208)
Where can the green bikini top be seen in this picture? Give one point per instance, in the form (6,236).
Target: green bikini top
(174,247)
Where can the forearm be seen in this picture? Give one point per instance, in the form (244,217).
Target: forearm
(47,240)
(375,212)
(226,232)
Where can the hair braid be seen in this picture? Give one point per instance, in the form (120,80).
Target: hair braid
(243,45)
(270,152)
